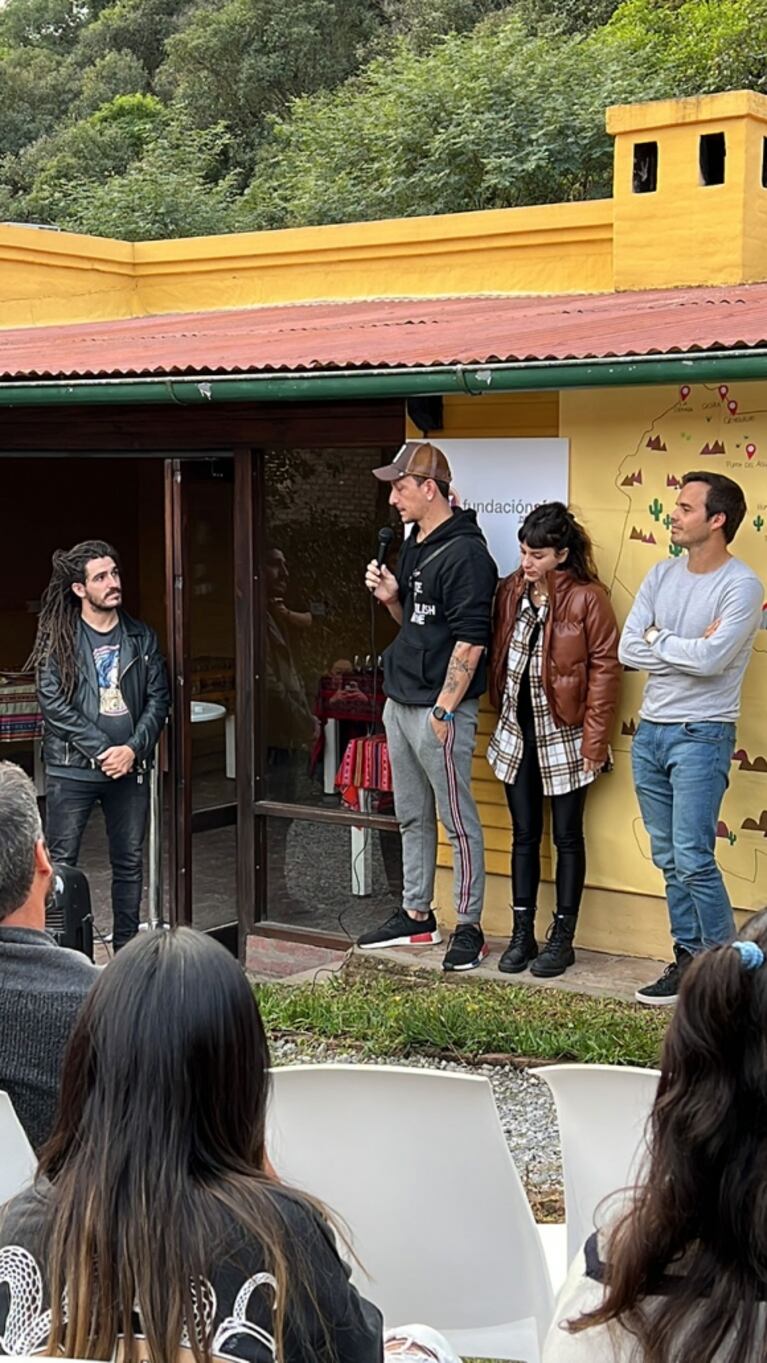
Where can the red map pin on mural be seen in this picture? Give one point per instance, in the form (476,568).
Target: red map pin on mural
(723,390)
(732,406)
(750,451)
(684,392)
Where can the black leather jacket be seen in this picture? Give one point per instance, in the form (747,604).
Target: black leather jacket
(71,736)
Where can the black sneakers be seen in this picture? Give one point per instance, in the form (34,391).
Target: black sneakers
(402,931)
(522,948)
(665,990)
(466,948)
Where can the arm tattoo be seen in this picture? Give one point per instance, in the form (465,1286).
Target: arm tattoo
(457,670)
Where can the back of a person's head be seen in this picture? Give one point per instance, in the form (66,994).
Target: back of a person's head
(159,1139)
(20,831)
(169,1053)
(701,1210)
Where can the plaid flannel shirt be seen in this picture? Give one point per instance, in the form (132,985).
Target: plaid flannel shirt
(559,749)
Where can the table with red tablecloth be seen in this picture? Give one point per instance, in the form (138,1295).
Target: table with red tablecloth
(354,698)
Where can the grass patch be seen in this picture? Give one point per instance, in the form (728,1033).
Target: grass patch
(388,1012)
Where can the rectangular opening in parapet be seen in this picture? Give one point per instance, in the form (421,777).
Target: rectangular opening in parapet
(645,178)
(764,162)
(712,155)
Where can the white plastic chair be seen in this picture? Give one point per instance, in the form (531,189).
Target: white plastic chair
(19,1161)
(416,1164)
(602,1112)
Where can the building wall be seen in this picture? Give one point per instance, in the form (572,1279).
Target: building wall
(626,448)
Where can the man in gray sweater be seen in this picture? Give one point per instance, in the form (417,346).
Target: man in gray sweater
(41,984)
(691,629)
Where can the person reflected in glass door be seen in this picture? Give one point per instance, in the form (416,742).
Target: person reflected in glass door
(290,725)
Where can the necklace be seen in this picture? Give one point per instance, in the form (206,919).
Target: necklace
(540,597)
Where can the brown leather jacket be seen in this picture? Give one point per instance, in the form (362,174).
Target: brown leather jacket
(580,669)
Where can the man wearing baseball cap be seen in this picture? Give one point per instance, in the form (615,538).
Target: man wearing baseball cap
(441,596)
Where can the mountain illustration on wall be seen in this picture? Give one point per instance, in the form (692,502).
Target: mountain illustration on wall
(640,535)
(673,481)
(628,730)
(716,448)
(633,479)
(756,825)
(656,443)
(745,764)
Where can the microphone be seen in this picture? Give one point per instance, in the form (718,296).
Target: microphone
(385,537)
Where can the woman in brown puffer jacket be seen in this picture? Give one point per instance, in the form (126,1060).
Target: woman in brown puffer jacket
(554,680)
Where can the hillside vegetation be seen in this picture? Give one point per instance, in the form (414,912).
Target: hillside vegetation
(146,119)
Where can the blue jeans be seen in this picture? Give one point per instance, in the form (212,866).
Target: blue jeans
(68,806)
(681,772)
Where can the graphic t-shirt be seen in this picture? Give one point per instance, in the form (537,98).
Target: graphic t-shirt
(114,716)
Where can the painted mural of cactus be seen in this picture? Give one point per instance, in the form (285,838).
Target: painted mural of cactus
(675,550)
(759,523)
(655,509)
(667,521)
(732,838)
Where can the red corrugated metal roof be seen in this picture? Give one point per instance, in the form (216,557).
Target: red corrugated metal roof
(401,333)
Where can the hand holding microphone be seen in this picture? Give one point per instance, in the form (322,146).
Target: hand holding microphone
(378,579)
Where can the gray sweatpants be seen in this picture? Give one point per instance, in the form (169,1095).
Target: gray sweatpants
(427,778)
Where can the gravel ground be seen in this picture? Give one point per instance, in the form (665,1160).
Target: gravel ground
(524,1104)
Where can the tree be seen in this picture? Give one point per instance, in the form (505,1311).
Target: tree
(237,62)
(36,88)
(46,175)
(489,119)
(138,26)
(169,191)
(116,73)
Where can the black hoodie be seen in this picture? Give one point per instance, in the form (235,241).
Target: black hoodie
(446,585)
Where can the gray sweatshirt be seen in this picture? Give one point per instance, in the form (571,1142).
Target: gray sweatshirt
(42,986)
(692,678)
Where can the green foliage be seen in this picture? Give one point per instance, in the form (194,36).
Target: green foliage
(141,27)
(35,92)
(52,172)
(168,191)
(239,61)
(336,110)
(411,1014)
(490,119)
(423,23)
(116,73)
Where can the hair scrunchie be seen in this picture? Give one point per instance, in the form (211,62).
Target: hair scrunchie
(751,955)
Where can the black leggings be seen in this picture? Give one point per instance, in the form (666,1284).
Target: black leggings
(525,800)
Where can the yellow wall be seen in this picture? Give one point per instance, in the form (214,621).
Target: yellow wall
(49,277)
(609,433)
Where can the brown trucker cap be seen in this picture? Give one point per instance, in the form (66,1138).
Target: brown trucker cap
(417,457)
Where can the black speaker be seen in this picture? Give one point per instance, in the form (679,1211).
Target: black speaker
(426,413)
(68,916)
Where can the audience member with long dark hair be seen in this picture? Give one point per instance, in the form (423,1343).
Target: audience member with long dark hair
(554,678)
(681,1277)
(155,1217)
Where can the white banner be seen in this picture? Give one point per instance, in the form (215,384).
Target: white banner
(503,480)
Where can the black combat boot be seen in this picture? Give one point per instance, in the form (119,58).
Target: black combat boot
(522,948)
(558,952)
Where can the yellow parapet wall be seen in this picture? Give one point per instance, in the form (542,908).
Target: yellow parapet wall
(683,232)
(48,277)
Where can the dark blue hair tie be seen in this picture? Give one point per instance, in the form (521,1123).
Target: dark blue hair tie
(751,955)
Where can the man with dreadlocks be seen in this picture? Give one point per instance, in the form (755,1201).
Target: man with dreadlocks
(103,691)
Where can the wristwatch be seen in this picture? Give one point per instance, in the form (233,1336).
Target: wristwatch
(439,712)
(651,634)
